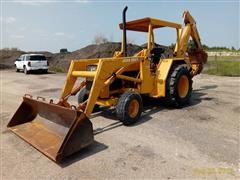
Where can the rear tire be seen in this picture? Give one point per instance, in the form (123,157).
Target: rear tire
(178,86)
(17,70)
(129,108)
(25,70)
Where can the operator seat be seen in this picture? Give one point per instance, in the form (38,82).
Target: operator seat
(155,58)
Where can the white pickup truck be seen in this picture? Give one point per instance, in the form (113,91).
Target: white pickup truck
(31,62)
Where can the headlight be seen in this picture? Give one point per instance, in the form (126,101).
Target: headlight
(91,67)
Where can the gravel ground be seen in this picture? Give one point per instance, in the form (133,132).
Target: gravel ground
(195,142)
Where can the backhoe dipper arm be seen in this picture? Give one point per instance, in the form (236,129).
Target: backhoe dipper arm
(197,56)
(188,19)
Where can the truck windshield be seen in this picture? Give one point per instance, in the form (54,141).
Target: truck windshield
(37,58)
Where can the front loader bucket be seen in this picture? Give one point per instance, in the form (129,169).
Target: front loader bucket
(54,130)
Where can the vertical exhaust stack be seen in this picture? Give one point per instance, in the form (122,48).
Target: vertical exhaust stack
(124,47)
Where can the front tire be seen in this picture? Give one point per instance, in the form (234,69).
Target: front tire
(45,71)
(83,96)
(129,108)
(179,86)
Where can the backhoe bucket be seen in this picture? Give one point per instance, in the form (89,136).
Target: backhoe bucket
(54,130)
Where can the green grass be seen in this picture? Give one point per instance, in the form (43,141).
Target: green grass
(224,58)
(223,67)
(56,68)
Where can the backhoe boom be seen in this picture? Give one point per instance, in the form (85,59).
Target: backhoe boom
(197,56)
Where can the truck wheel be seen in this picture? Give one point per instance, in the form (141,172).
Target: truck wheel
(17,70)
(25,70)
(129,108)
(179,86)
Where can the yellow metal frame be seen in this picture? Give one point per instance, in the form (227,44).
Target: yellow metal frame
(110,69)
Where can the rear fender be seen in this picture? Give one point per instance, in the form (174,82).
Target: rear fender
(162,75)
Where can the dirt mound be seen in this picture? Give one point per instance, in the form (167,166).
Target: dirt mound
(9,56)
(62,60)
(104,50)
(91,51)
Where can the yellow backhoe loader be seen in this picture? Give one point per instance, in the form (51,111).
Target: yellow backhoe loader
(60,129)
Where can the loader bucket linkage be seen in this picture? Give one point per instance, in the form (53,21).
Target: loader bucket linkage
(54,130)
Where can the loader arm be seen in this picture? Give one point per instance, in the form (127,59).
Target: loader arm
(197,56)
(107,70)
(75,66)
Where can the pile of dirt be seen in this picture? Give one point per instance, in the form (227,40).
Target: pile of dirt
(9,56)
(62,60)
(90,52)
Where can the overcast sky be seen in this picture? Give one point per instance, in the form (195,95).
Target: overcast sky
(51,25)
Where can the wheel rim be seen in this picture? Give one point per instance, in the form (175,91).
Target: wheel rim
(183,86)
(133,108)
